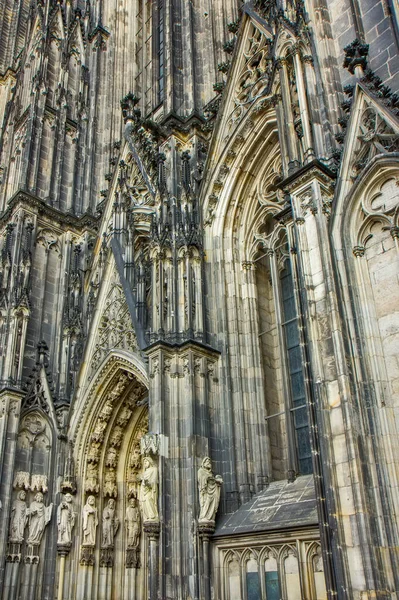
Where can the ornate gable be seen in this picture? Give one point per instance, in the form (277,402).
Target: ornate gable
(56,26)
(115,329)
(372,131)
(249,79)
(111,328)
(40,395)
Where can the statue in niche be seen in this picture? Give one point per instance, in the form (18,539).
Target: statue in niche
(149,490)
(133,524)
(39,516)
(19,518)
(110,525)
(65,520)
(90,522)
(209,491)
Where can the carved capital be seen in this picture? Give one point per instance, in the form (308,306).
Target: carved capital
(152,529)
(358,251)
(206,528)
(394,232)
(64,549)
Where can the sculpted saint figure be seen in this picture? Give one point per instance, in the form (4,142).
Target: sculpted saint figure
(90,522)
(65,520)
(132,524)
(39,516)
(149,490)
(19,518)
(209,491)
(110,525)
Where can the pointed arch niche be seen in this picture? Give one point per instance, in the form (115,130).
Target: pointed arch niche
(366,241)
(109,424)
(251,235)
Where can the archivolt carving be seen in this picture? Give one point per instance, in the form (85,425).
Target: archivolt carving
(97,436)
(135,456)
(110,372)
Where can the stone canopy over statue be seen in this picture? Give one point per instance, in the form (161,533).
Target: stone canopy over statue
(209,491)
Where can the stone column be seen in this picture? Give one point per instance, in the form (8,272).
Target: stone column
(205,530)
(85,577)
(342,533)
(288,117)
(152,529)
(13,561)
(63,551)
(31,567)
(10,403)
(303,105)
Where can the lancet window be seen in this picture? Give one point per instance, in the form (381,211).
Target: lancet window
(149,53)
(283,358)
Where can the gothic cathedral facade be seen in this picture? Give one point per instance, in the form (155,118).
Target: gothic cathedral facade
(199,299)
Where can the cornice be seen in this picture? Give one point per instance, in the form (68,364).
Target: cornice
(314,169)
(186,345)
(35,205)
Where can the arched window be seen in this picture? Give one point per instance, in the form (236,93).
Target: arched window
(294,368)
(283,358)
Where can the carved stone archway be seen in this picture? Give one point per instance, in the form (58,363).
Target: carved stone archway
(109,552)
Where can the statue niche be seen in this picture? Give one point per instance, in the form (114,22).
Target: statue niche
(209,492)
(149,490)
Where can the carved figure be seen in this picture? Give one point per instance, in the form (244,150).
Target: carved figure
(111,458)
(39,516)
(110,488)
(110,525)
(98,433)
(90,522)
(133,524)
(149,490)
(91,483)
(65,520)
(209,491)
(19,518)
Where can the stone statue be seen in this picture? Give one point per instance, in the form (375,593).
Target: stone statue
(39,516)
(133,524)
(209,491)
(65,520)
(110,525)
(149,490)
(19,518)
(90,522)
